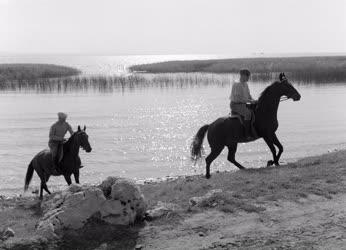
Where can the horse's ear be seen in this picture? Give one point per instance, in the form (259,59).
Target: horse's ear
(84,128)
(78,128)
(282,77)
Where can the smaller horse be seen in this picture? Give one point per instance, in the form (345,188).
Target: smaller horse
(42,163)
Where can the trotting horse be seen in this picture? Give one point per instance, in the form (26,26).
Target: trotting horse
(228,131)
(43,165)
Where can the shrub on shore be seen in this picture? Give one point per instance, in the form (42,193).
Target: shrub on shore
(28,71)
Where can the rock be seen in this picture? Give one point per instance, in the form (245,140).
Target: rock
(103,246)
(7,233)
(201,234)
(74,188)
(116,201)
(206,199)
(161,209)
(138,247)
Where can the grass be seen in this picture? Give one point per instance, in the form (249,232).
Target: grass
(25,72)
(303,69)
(246,190)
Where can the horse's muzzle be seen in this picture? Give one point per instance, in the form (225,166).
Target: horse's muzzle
(296,97)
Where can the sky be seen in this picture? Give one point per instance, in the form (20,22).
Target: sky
(114,27)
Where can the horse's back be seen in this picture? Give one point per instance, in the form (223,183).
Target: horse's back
(225,130)
(43,157)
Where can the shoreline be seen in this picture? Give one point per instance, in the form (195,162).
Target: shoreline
(9,193)
(258,208)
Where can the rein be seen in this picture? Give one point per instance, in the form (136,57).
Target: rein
(284,98)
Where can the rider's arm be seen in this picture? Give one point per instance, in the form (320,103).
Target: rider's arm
(249,95)
(52,135)
(69,128)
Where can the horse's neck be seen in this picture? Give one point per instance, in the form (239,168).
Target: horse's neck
(269,107)
(71,146)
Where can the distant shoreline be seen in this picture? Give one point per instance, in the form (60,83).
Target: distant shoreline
(305,69)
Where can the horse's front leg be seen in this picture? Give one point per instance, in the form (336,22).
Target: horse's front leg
(68,179)
(76,176)
(270,143)
(280,147)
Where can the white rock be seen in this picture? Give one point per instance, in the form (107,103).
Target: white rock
(74,207)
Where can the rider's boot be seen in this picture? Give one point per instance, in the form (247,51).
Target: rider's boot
(248,130)
(56,166)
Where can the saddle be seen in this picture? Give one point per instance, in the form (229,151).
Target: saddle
(248,136)
(61,151)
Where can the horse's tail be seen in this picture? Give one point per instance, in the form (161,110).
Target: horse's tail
(29,174)
(196,145)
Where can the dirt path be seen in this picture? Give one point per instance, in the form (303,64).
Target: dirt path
(313,223)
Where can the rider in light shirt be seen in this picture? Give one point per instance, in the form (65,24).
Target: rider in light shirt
(56,136)
(240,95)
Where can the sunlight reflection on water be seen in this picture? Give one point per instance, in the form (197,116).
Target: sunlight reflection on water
(147,133)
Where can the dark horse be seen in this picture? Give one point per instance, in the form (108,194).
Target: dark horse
(228,131)
(43,165)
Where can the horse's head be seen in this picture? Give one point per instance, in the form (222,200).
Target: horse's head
(287,89)
(83,139)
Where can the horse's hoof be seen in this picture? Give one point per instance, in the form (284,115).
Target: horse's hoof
(207,176)
(270,163)
(277,164)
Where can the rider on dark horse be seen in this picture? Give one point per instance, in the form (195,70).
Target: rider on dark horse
(56,138)
(240,97)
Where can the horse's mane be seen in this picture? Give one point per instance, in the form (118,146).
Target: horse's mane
(67,144)
(267,91)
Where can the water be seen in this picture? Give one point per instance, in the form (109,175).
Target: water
(146,132)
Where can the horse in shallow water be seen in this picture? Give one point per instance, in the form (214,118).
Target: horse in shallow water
(228,131)
(42,163)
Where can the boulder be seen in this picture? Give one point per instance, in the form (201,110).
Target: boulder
(116,201)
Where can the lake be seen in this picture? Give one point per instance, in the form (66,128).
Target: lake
(146,132)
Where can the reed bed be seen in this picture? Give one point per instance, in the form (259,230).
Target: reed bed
(29,71)
(326,69)
(116,83)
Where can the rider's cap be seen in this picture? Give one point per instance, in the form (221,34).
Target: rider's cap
(245,72)
(62,115)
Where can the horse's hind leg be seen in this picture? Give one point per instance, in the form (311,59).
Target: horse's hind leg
(210,158)
(44,178)
(68,179)
(232,149)
(43,187)
(76,176)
